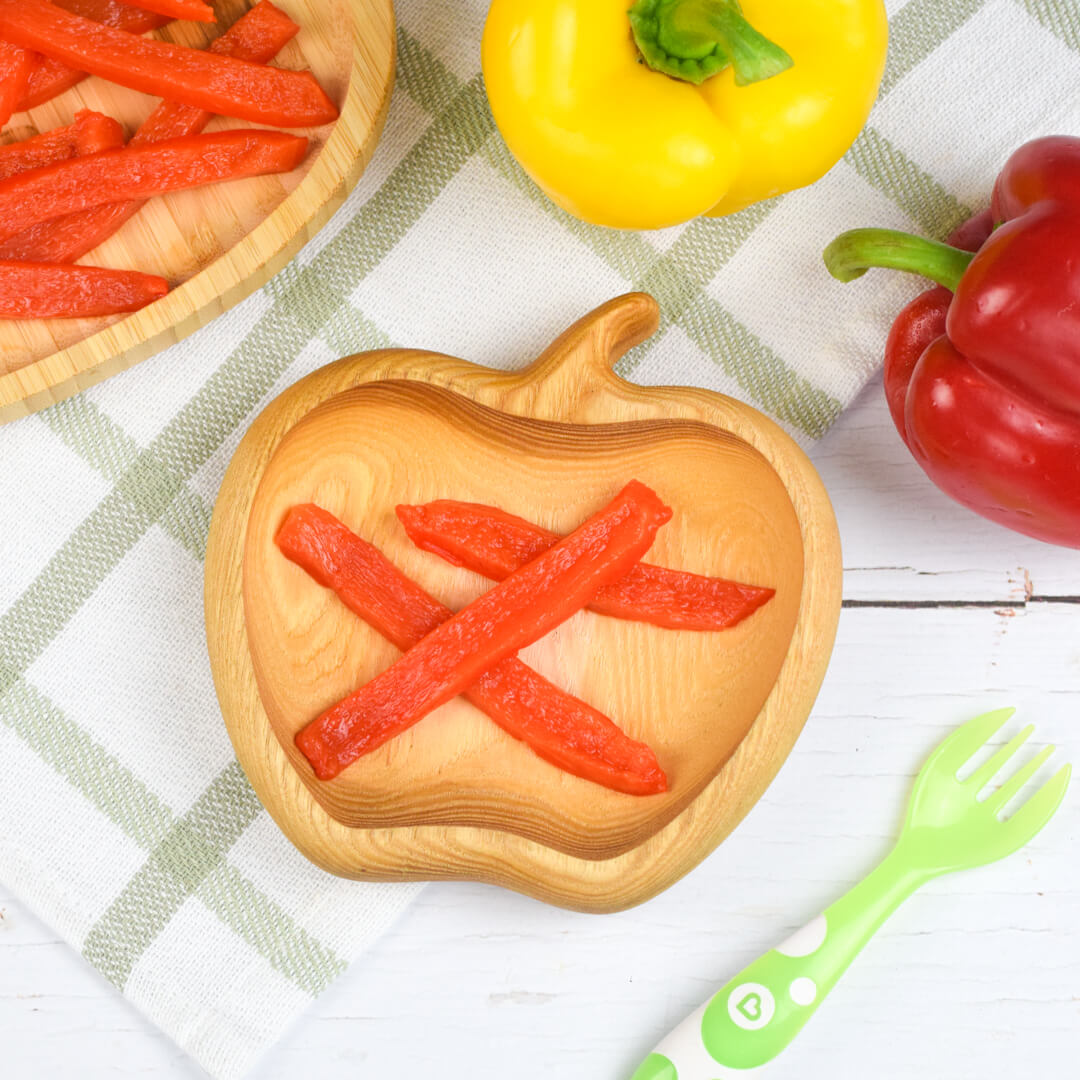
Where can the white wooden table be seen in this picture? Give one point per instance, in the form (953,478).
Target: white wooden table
(977,977)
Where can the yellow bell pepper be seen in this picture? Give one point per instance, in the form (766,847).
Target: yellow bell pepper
(777,92)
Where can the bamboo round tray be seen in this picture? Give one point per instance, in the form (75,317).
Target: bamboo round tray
(455,797)
(215,244)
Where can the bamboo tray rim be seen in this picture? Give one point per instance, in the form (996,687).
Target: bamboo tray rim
(237,272)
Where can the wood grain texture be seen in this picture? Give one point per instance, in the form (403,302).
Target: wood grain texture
(215,244)
(363,450)
(386,440)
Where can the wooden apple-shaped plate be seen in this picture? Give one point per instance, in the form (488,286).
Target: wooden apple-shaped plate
(455,797)
(219,243)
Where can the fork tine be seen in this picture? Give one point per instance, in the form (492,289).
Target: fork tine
(1032,815)
(1001,797)
(986,772)
(958,749)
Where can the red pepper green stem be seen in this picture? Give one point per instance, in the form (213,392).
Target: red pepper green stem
(696,39)
(852,253)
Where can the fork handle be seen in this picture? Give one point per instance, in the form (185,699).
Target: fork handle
(754,1017)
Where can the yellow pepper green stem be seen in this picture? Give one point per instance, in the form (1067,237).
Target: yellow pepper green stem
(616,142)
(696,39)
(852,253)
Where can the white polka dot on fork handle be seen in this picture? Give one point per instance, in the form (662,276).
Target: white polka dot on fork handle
(803,991)
(806,940)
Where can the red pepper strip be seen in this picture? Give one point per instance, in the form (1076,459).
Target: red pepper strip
(137,172)
(558,727)
(493,543)
(48,77)
(89,134)
(15,67)
(42,291)
(191,10)
(116,13)
(513,614)
(221,84)
(258,36)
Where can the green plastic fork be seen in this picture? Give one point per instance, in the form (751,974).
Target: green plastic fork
(757,1014)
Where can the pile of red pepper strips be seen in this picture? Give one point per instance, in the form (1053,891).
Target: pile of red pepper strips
(66,191)
(544,579)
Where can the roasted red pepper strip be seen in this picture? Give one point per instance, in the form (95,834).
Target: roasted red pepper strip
(15,67)
(42,291)
(494,543)
(116,13)
(50,77)
(513,614)
(220,84)
(90,133)
(991,405)
(259,35)
(191,10)
(141,171)
(558,727)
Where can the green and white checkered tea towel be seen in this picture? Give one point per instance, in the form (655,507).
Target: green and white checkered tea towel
(124,818)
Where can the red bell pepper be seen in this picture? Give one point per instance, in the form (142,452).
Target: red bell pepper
(15,67)
(191,10)
(137,172)
(48,77)
(513,614)
(494,543)
(43,291)
(205,80)
(557,726)
(90,133)
(258,35)
(983,374)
